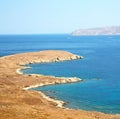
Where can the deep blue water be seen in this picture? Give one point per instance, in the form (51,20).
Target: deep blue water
(100,68)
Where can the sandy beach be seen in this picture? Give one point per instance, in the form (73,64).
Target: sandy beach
(17,102)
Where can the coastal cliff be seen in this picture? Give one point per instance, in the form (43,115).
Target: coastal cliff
(17,102)
(115,30)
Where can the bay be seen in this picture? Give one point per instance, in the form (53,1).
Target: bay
(100,68)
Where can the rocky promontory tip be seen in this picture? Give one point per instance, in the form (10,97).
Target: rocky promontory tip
(16,102)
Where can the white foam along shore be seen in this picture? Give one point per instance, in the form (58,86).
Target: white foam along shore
(74,57)
(18,71)
(58,103)
(63,80)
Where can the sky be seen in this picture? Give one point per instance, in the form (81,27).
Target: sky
(56,16)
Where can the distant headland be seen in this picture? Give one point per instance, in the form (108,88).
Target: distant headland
(114,30)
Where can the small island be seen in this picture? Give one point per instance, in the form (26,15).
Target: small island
(114,30)
(17,102)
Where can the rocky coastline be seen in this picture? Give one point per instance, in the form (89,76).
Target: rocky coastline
(16,101)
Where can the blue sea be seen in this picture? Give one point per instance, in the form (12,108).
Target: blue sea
(100,68)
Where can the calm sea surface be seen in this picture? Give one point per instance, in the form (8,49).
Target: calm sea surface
(100,68)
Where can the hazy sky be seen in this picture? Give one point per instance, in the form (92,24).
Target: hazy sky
(56,16)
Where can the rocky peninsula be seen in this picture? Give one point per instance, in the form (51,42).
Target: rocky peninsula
(17,102)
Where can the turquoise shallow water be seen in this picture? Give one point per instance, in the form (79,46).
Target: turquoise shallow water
(100,69)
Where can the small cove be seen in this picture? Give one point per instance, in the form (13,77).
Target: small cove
(100,89)
(94,93)
(100,68)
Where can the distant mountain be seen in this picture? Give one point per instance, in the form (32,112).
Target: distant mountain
(114,30)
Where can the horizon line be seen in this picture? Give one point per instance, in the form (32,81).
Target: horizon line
(37,34)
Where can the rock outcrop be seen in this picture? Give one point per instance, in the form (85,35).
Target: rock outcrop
(16,102)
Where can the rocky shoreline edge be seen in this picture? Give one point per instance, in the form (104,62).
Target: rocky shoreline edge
(19,102)
(63,80)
